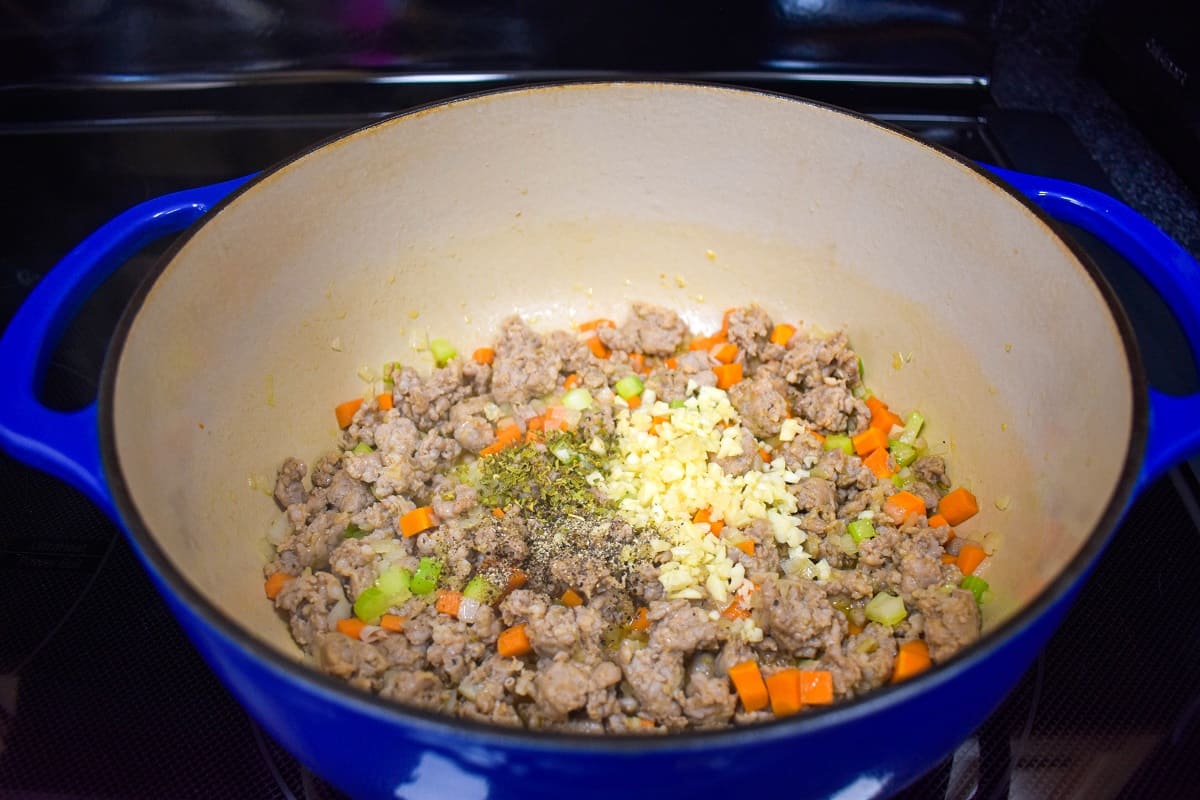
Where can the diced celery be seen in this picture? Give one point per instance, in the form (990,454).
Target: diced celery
(861,529)
(629,386)
(442,351)
(862,392)
(676,404)
(425,579)
(912,428)
(362,448)
(354,532)
(839,441)
(387,373)
(886,609)
(481,589)
(862,373)
(371,604)
(975,585)
(900,481)
(578,399)
(903,452)
(395,582)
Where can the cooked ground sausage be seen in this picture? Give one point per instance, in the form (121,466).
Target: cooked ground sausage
(607,625)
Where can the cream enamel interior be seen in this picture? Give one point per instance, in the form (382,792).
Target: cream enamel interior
(567,203)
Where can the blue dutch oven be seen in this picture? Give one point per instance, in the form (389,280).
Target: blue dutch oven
(564,203)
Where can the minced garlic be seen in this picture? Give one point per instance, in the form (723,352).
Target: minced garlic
(662,476)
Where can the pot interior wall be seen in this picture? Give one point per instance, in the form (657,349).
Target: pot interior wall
(563,204)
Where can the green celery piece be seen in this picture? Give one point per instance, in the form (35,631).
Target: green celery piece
(362,448)
(371,604)
(578,399)
(900,481)
(862,372)
(976,585)
(912,428)
(481,589)
(676,404)
(629,386)
(861,529)
(395,582)
(839,441)
(387,373)
(425,579)
(442,351)
(903,452)
(354,532)
(886,609)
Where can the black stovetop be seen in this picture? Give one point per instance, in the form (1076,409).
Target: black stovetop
(101,695)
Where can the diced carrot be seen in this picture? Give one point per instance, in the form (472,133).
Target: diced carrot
(751,688)
(638,362)
(672,362)
(819,437)
(448,602)
(875,405)
(735,611)
(640,621)
(345,412)
(598,348)
(706,342)
(784,690)
(970,557)
(498,512)
(938,521)
(516,579)
(417,520)
(571,382)
(912,659)
(509,434)
(902,505)
(878,463)
(633,402)
(275,584)
(570,598)
(592,324)
(655,422)
(484,355)
(783,334)
(949,559)
(391,622)
(883,420)
(725,321)
(765,455)
(958,506)
(535,423)
(352,627)
(869,441)
(714,525)
(513,642)
(746,546)
(816,687)
(727,374)
(556,418)
(725,352)
(385,401)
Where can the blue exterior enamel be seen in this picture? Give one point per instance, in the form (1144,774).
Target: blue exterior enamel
(372,749)
(66,444)
(1171,270)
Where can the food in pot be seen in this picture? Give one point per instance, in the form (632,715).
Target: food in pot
(627,528)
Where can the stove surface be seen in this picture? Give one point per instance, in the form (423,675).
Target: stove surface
(101,695)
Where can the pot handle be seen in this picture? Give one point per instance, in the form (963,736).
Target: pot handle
(67,444)
(1174,435)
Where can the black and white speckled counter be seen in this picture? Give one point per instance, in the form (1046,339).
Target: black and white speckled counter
(1039,66)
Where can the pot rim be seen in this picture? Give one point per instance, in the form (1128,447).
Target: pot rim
(808,723)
